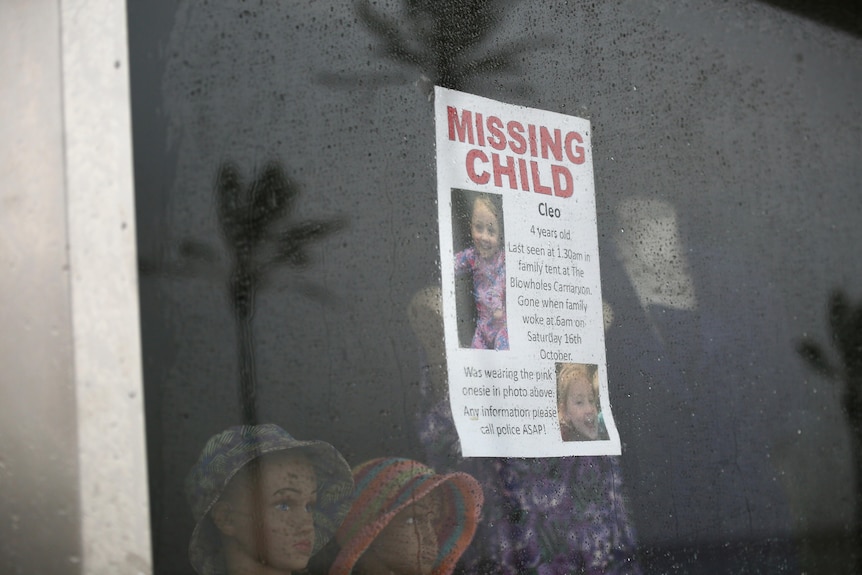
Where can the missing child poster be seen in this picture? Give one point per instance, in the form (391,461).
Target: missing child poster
(522,302)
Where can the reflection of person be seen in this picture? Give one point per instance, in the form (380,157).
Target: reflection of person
(406,520)
(486,260)
(578,402)
(548,516)
(263,501)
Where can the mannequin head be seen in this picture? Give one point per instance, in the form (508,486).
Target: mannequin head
(407,520)
(264,501)
(264,515)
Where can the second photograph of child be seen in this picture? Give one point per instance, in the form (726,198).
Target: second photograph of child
(578,406)
(477,227)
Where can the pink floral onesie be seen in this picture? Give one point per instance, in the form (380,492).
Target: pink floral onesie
(489,293)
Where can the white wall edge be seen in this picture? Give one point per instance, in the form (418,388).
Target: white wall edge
(113,491)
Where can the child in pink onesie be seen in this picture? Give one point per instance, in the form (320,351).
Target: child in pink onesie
(486,260)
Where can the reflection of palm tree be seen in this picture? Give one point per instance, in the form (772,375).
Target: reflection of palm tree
(251,222)
(441,38)
(845,323)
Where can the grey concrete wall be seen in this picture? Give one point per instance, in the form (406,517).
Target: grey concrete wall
(39,507)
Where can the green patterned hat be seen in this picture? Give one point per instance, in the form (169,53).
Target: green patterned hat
(228,452)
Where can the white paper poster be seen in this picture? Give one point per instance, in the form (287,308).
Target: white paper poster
(522,301)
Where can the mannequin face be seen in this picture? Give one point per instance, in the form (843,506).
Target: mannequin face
(265,517)
(408,544)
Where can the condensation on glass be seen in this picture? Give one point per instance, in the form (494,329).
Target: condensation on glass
(285,188)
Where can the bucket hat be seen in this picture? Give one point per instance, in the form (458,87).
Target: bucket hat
(384,487)
(229,451)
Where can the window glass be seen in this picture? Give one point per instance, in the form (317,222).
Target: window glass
(287,218)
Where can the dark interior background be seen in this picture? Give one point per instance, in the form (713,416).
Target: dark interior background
(727,138)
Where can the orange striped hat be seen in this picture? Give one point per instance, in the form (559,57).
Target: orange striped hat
(384,487)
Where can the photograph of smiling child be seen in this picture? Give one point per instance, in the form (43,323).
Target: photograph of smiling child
(478,221)
(578,406)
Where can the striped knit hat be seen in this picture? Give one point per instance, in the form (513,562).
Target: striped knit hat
(228,452)
(384,487)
